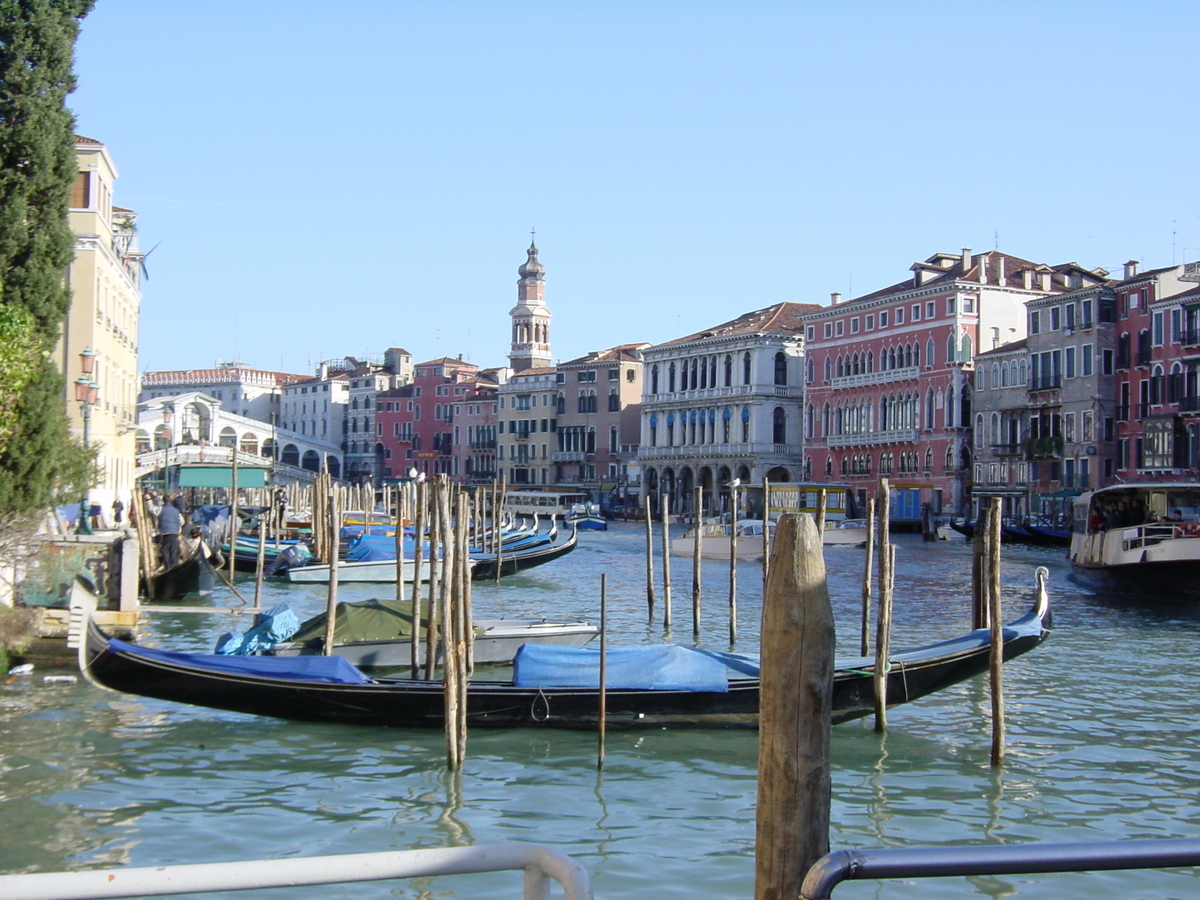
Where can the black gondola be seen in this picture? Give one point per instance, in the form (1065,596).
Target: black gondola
(519,560)
(192,576)
(329,689)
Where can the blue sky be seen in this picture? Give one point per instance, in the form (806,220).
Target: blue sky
(330,179)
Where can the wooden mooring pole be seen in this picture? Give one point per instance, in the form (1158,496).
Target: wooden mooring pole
(603,724)
(697,537)
(996,657)
(733,547)
(666,563)
(883,629)
(866,589)
(795,705)
(650,560)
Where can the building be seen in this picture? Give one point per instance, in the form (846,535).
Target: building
(366,456)
(890,375)
(101,331)
(599,417)
(475,418)
(316,406)
(530,317)
(241,390)
(999,442)
(526,422)
(721,404)
(414,422)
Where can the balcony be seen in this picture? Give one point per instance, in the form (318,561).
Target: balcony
(1190,337)
(1189,404)
(741,390)
(1045,382)
(572,456)
(875,438)
(483,445)
(1050,447)
(695,451)
(1007,449)
(847,381)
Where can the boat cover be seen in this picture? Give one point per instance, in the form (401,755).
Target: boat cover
(272,627)
(364,620)
(329,669)
(669,667)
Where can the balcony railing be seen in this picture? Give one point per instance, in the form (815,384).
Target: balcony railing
(845,381)
(1050,447)
(1045,382)
(1189,404)
(757,448)
(876,438)
(705,393)
(571,456)
(1123,412)
(1007,449)
(483,445)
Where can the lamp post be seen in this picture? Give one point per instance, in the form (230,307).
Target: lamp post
(86,392)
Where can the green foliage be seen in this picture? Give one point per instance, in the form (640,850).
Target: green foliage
(38,459)
(19,352)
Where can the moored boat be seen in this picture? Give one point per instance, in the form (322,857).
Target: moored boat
(1140,538)
(719,689)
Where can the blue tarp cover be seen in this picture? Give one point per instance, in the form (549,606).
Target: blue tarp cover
(329,669)
(665,668)
(272,627)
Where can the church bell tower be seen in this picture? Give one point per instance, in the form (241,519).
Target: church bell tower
(530,318)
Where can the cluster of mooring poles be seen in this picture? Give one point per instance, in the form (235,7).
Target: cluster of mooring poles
(796,688)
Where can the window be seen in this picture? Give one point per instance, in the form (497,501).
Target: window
(870,323)
(900,316)
(839,328)
(949,306)
(828,329)
(968,304)
(883,319)
(1086,309)
(810,332)
(1106,362)
(746,367)
(81,191)
(1158,329)
(1055,318)
(1035,322)
(781,367)
(1069,363)
(614,374)
(930,309)
(916,313)
(854,325)
(1085,353)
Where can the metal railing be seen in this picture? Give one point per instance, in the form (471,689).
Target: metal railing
(936,862)
(540,864)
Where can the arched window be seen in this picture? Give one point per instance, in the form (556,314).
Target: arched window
(671,378)
(746,367)
(951,349)
(654,379)
(995,375)
(779,426)
(728,370)
(950,407)
(929,409)
(929,459)
(810,372)
(966,348)
(810,415)
(929,360)
(1004,375)
(781,368)
(908,356)
(949,459)
(828,368)
(746,419)
(870,361)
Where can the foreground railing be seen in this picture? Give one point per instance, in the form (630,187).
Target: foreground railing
(540,864)
(933,862)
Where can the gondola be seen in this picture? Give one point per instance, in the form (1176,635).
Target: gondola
(518,560)
(329,689)
(192,576)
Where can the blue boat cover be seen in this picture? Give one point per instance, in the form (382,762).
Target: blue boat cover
(272,627)
(327,669)
(669,667)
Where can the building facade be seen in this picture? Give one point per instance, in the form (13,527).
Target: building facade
(722,404)
(103,322)
(526,426)
(414,422)
(241,390)
(890,375)
(475,424)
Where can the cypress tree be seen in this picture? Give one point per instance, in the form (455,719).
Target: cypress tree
(38,459)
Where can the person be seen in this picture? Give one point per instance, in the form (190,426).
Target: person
(170,524)
(118,510)
(1176,515)
(1124,516)
(1137,512)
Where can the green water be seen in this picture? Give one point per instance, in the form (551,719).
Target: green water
(1102,745)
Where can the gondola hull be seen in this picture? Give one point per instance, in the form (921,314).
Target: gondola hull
(484,565)
(406,703)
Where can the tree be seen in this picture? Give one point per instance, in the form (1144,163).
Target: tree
(39,462)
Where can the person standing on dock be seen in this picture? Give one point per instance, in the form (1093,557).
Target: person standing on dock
(170,523)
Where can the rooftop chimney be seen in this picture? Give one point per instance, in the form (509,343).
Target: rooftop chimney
(983,267)
(1027,279)
(835,298)
(1000,271)
(1131,268)
(966,259)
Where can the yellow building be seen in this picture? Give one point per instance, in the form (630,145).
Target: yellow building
(101,331)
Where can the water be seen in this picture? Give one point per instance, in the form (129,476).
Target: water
(1102,745)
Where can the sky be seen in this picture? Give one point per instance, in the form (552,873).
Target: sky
(317,180)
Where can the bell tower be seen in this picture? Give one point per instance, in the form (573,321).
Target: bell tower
(530,317)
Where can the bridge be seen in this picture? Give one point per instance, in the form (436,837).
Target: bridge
(192,431)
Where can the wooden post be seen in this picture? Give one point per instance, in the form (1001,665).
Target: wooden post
(733,515)
(996,657)
(449,627)
(766,530)
(500,543)
(649,561)
(822,509)
(334,525)
(262,556)
(866,589)
(696,534)
(666,563)
(795,705)
(233,508)
(883,630)
(603,724)
(417,498)
(979,610)
(468,615)
(435,563)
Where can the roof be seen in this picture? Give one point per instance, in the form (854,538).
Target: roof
(623,352)
(447,361)
(80,139)
(1010,347)
(782,318)
(224,375)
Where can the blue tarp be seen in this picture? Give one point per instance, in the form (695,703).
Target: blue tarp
(665,668)
(328,669)
(272,627)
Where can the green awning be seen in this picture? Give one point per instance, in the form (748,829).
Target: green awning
(221,476)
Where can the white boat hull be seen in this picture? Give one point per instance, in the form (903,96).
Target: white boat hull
(381,571)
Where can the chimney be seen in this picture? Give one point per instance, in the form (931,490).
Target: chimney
(835,298)
(966,259)
(1131,268)
(1000,271)
(1027,279)
(983,268)
(1045,279)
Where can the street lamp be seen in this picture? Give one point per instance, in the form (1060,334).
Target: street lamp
(86,392)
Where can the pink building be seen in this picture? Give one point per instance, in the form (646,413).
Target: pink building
(413,423)
(890,375)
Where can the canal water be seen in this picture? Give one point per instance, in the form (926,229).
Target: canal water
(1102,745)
